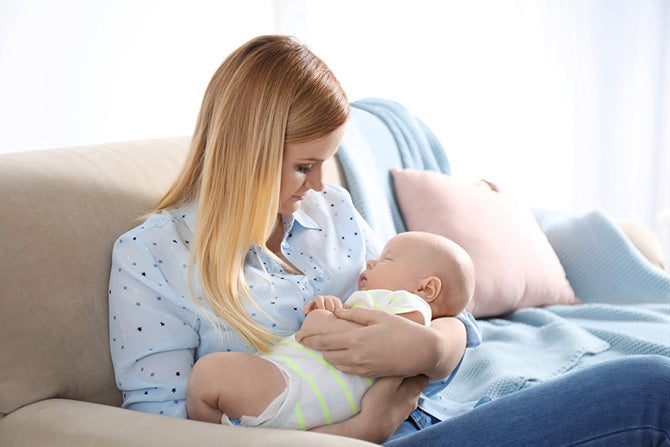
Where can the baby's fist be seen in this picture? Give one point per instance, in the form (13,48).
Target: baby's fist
(327,302)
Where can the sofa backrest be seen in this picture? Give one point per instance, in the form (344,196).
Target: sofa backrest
(62,210)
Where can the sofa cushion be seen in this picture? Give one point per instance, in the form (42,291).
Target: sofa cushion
(69,423)
(62,210)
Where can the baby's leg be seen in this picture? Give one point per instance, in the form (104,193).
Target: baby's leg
(232,383)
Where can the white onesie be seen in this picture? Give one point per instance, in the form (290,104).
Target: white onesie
(316,393)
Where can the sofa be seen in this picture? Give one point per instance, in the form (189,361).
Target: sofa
(62,211)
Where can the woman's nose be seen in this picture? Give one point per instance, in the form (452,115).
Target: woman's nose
(315,179)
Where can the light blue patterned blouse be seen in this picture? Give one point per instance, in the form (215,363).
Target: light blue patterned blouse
(157,331)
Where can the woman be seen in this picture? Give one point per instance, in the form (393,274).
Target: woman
(248,233)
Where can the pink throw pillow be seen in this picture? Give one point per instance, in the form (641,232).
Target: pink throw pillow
(515,266)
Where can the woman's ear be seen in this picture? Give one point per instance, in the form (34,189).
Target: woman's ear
(429,288)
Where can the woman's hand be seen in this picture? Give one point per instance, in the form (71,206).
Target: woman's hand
(384,407)
(390,400)
(389,345)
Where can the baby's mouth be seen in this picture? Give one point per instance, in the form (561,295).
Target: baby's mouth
(362,281)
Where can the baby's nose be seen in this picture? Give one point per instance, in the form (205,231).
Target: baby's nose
(370,264)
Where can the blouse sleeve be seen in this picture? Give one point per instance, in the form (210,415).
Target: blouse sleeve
(474,339)
(153,336)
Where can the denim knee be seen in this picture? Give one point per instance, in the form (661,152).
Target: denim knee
(649,372)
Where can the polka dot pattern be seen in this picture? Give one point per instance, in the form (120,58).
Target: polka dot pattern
(157,330)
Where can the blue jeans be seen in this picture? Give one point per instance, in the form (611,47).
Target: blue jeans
(623,402)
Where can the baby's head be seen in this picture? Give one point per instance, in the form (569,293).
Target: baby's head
(430,266)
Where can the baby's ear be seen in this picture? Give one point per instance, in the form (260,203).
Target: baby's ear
(430,288)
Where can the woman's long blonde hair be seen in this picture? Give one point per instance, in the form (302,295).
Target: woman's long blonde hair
(271,91)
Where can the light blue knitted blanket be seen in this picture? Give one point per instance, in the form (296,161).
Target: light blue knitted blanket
(627,299)
(381,135)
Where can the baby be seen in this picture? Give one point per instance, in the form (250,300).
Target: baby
(418,275)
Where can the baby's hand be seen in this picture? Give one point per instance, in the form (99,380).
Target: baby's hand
(327,302)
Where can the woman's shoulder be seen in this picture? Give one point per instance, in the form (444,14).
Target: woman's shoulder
(164,234)
(157,222)
(152,257)
(337,189)
(331,204)
(331,192)
(161,223)
(332,197)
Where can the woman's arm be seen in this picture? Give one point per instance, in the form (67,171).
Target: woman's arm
(450,344)
(384,407)
(388,345)
(321,322)
(152,335)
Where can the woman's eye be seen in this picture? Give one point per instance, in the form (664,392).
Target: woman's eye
(304,169)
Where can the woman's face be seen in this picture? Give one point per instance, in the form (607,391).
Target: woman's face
(302,169)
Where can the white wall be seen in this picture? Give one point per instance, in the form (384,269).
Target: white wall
(566,103)
(478,73)
(80,71)
(563,102)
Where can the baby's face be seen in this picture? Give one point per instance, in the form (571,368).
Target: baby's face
(396,269)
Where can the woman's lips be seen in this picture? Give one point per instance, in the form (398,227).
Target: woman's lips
(300,197)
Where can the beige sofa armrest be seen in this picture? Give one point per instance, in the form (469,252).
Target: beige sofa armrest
(71,423)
